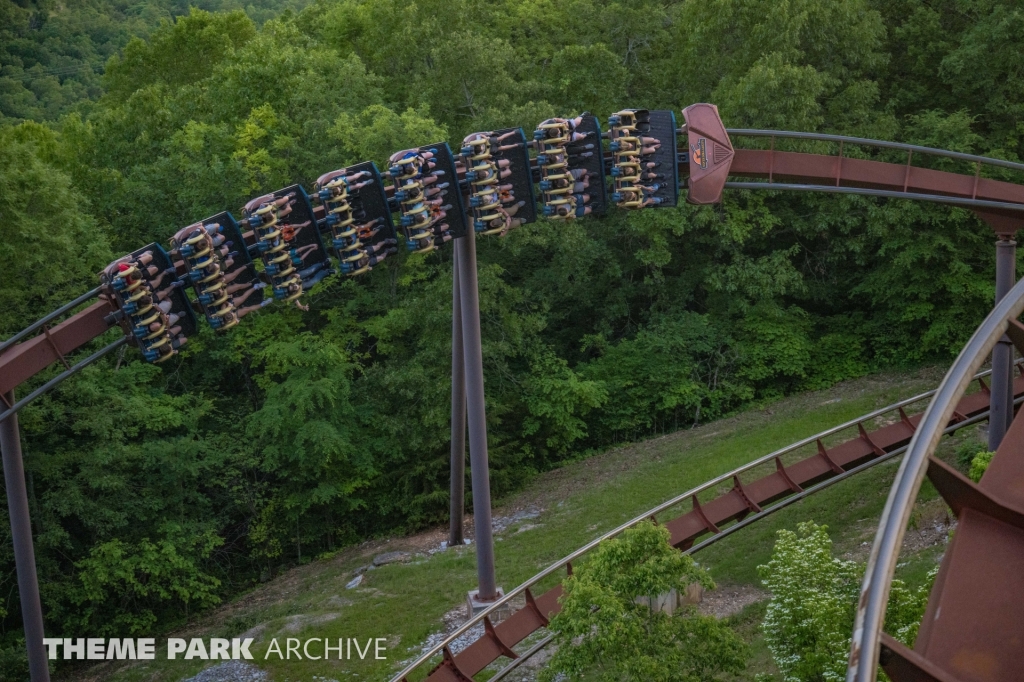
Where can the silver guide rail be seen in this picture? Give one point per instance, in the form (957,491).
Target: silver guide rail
(885,193)
(767,511)
(871,606)
(56,313)
(74,369)
(824,137)
(556,566)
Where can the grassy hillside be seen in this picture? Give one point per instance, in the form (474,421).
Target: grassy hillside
(557,512)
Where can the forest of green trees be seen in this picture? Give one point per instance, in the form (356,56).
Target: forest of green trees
(157,491)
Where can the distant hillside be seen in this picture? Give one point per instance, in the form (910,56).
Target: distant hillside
(52,54)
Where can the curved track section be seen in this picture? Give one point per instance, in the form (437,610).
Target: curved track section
(731,500)
(999,203)
(994,507)
(972,630)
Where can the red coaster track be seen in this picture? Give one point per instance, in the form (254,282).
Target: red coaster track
(980,634)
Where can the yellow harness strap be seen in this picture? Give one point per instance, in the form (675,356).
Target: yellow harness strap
(360,271)
(137,295)
(149,320)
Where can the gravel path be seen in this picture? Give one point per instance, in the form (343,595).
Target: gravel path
(231,671)
(729,600)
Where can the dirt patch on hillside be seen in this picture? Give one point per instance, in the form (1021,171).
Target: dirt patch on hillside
(728,600)
(930,526)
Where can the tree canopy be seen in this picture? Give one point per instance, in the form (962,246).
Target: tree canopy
(158,491)
(607,621)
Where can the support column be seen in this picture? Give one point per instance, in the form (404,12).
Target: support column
(24,556)
(458,473)
(1001,399)
(479,469)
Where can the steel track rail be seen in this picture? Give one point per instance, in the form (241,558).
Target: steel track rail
(55,314)
(882,193)
(49,385)
(689,494)
(977,591)
(796,497)
(22,363)
(863,141)
(764,513)
(757,517)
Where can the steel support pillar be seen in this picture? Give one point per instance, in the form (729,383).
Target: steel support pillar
(474,376)
(458,473)
(1002,355)
(24,556)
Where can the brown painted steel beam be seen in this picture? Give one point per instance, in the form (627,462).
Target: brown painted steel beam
(21,362)
(906,665)
(735,504)
(866,174)
(509,632)
(807,472)
(972,629)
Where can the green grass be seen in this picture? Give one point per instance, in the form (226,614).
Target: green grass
(748,624)
(405,602)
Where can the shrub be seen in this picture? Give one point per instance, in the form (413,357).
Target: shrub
(603,626)
(814,595)
(979,465)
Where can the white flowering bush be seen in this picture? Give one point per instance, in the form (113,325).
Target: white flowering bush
(809,620)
